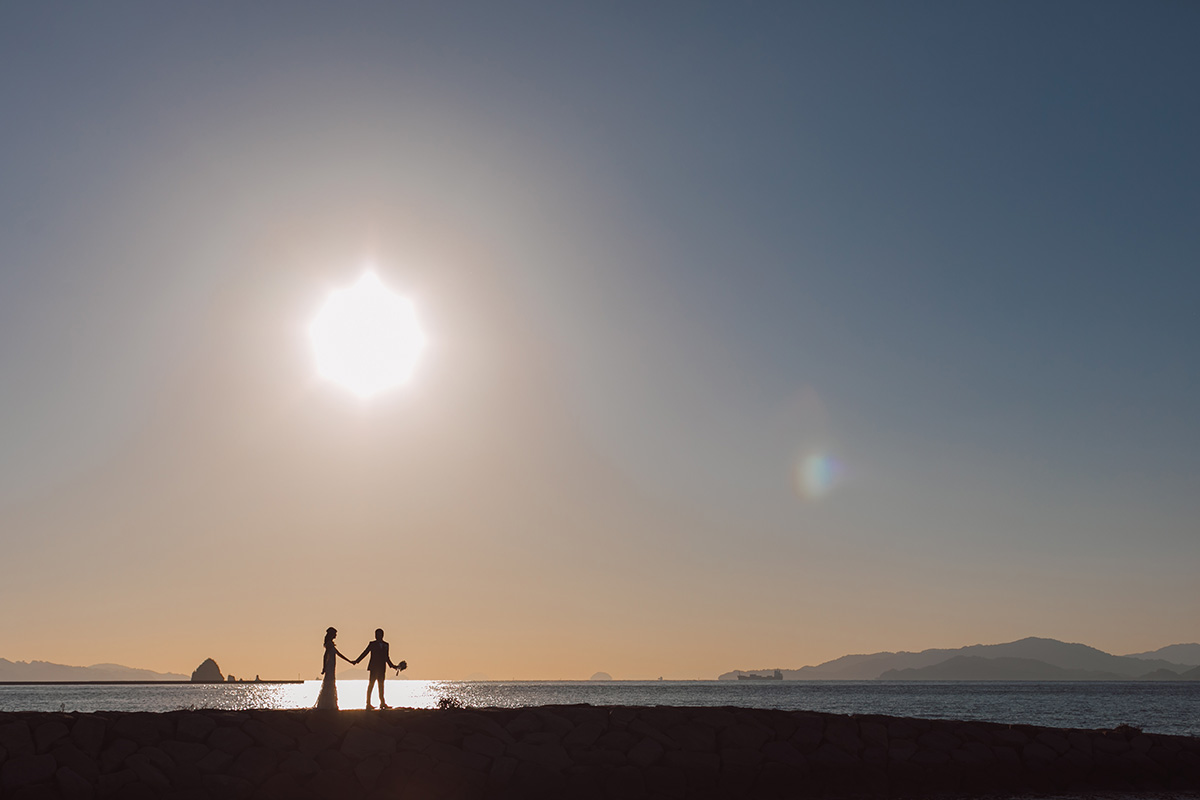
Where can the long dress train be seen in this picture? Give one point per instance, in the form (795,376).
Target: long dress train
(327,699)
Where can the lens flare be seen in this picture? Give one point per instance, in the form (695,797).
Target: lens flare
(817,474)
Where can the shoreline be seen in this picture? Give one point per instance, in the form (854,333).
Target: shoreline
(571,751)
(141,683)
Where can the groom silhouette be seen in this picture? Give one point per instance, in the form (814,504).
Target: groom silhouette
(377,666)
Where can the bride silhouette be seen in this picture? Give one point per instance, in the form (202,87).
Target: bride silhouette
(327,699)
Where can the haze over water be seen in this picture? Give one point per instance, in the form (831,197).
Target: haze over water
(751,335)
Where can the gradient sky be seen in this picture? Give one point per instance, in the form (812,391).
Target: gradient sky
(758,333)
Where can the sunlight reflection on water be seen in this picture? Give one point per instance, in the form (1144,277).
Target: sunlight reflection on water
(1158,707)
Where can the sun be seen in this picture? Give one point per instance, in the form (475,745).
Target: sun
(366,338)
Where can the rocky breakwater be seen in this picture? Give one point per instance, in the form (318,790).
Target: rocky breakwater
(567,751)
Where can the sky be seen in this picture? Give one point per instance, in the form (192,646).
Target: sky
(756,334)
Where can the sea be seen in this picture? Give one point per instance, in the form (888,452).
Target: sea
(1159,707)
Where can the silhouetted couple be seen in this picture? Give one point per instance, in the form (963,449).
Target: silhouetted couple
(376,669)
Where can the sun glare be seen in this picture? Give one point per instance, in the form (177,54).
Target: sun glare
(366,338)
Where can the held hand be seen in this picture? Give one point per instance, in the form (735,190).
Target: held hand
(402,665)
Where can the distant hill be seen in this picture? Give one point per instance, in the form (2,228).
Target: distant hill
(974,668)
(1188,654)
(1053,653)
(46,671)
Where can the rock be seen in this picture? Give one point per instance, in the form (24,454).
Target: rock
(66,754)
(740,757)
(334,761)
(369,770)
(831,755)
(644,729)
(585,734)
(72,785)
(336,785)
(784,753)
(646,752)
(485,724)
(215,762)
(843,733)
(88,733)
(590,757)
(973,754)
(139,727)
(184,752)
(158,758)
(208,672)
(255,764)
(930,757)
(600,676)
(777,780)
(459,759)
(17,739)
(901,750)
(227,786)
(664,781)
(299,765)
(621,741)
(115,754)
(195,727)
(625,782)
(525,722)
(417,742)
(1080,742)
(502,772)
(267,736)
(697,738)
(407,762)
(552,757)
(113,782)
(874,734)
(48,733)
(943,741)
(147,772)
(26,771)
(360,743)
(809,733)
(541,737)
(485,745)
(1055,740)
(554,723)
(1037,755)
(282,787)
(313,743)
(229,740)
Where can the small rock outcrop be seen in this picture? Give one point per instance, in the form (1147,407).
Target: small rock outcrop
(601,676)
(208,672)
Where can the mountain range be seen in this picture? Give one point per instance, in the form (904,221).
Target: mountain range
(46,671)
(1025,659)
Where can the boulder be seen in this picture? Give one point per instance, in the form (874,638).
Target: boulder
(208,672)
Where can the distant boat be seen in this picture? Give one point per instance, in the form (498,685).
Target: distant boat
(778,676)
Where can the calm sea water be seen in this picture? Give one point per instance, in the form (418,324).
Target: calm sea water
(1154,707)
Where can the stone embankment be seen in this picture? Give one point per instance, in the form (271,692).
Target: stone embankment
(568,751)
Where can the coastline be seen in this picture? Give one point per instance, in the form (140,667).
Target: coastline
(576,751)
(145,683)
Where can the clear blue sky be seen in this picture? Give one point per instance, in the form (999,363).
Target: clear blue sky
(952,247)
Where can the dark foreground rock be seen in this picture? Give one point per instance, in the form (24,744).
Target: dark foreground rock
(568,751)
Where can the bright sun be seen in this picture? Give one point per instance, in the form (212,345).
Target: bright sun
(366,338)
